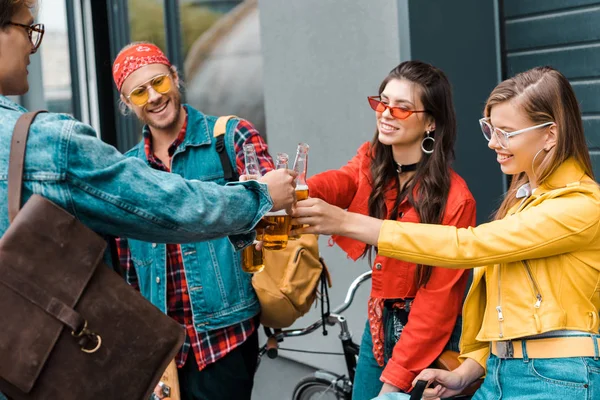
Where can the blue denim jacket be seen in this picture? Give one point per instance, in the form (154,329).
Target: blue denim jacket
(116,195)
(220,292)
(120,196)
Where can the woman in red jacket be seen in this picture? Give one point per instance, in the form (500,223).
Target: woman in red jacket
(404,174)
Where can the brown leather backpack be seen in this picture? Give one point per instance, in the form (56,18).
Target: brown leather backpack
(71,327)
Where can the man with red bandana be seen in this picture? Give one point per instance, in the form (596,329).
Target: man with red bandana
(200,285)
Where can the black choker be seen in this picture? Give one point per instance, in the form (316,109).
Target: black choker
(406,168)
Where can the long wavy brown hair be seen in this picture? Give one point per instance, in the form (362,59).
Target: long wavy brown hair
(545,95)
(427,190)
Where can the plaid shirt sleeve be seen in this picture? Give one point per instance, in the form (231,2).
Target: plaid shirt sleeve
(246,133)
(126,263)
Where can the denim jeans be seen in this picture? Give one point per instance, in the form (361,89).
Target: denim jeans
(576,378)
(366,380)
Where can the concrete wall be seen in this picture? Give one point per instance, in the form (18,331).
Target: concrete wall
(321,60)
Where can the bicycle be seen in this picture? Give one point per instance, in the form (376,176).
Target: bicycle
(322,384)
(327,385)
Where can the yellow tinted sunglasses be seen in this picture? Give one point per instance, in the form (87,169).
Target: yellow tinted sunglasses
(161,84)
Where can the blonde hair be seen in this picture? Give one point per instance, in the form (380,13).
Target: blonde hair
(545,95)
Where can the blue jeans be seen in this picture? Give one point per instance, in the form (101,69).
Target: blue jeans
(366,380)
(576,378)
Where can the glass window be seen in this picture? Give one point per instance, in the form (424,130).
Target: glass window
(222,58)
(147,21)
(56,71)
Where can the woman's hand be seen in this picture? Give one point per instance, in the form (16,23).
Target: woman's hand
(449,383)
(321,217)
(324,218)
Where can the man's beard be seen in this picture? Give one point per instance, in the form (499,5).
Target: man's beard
(167,125)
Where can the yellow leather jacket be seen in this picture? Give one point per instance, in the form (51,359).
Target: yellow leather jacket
(538,269)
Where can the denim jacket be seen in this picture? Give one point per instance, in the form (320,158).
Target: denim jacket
(220,292)
(120,196)
(115,195)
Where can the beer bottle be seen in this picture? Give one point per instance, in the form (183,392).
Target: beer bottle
(252,259)
(300,166)
(277,224)
(251,162)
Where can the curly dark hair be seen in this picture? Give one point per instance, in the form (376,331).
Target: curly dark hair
(427,191)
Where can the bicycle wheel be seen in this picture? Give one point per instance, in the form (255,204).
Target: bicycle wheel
(313,388)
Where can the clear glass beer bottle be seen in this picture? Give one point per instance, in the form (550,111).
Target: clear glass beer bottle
(277,223)
(252,259)
(300,166)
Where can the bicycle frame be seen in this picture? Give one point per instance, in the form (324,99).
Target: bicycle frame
(350,349)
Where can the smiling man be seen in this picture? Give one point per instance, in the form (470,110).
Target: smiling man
(201,285)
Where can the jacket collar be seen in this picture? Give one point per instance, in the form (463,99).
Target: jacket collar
(5,102)
(567,174)
(197,132)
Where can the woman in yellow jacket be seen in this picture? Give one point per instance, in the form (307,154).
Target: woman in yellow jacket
(531,316)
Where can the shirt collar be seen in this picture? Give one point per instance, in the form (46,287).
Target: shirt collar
(524,191)
(567,173)
(172,148)
(8,103)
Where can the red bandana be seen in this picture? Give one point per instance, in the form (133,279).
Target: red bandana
(135,57)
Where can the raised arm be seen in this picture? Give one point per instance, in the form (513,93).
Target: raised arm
(338,186)
(123,197)
(554,226)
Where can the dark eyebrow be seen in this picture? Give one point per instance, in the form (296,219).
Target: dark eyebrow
(399,101)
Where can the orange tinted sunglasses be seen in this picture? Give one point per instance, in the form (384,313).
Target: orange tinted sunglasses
(396,112)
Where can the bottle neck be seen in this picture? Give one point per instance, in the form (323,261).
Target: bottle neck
(251,163)
(300,167)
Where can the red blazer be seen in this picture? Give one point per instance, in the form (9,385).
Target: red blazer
(438,304)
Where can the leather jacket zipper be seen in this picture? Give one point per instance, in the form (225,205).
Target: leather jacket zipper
(499,306)
(537,293)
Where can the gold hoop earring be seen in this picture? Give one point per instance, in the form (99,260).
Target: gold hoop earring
(533,161)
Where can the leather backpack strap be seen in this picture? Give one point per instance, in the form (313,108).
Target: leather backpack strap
(229,172)
(17,161)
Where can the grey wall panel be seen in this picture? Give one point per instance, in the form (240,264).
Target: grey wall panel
(444,35)
(588,94)
(577,62)
(591,125)
(553,30)
(565,35)
(513,8)
(596,163)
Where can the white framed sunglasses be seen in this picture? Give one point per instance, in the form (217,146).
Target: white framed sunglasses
(503,136)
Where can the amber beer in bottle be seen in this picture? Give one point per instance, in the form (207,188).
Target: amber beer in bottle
(300,166)
(277,224)
(252,259)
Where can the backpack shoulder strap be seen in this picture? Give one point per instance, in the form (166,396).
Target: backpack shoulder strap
(229,171)
(17,161)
